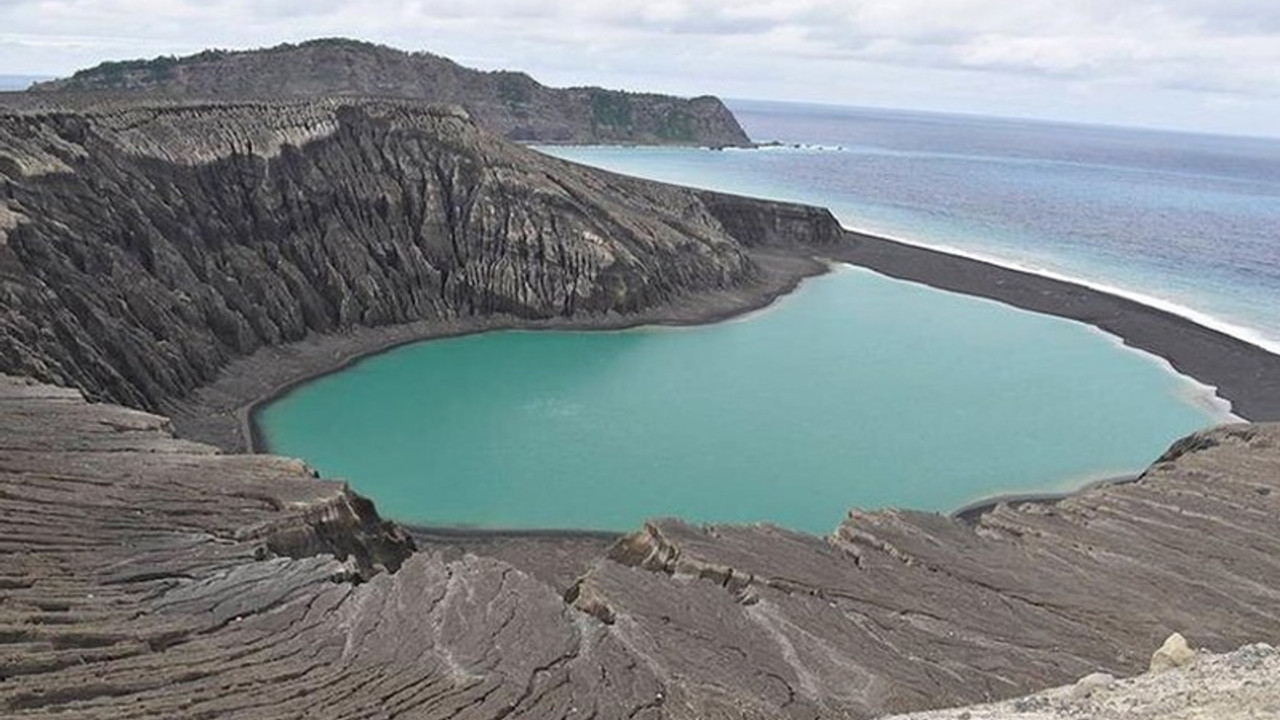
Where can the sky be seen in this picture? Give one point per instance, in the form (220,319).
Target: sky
(1202,65)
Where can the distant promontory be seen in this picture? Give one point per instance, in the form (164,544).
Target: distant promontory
(509,103)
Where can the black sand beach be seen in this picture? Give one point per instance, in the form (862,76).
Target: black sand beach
(1244,374)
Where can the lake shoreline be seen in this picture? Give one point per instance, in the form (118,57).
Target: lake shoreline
(1248,377)
(224,412)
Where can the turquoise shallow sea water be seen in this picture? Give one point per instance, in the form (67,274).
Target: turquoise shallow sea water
(856,390)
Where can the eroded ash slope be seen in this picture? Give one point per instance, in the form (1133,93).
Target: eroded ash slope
(145,244)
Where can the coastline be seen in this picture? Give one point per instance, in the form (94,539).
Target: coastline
(1241,373)
(152,575)
(1212,322)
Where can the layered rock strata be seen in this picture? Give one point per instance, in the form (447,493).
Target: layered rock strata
(148,576)
(508,103)
(144,246)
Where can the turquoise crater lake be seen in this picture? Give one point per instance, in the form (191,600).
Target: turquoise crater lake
(856,390)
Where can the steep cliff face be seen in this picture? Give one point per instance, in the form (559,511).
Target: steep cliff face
(773,224)
(142,246)
(146,576)
(509,103)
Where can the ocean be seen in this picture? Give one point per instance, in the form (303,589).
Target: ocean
(1189,223)
(857,390)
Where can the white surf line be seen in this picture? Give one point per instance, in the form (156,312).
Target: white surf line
(1239,332)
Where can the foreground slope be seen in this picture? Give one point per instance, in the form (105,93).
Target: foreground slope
(148,576)
(508,103)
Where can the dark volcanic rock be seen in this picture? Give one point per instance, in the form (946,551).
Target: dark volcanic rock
(781,225)
(509,103)
(143,246)
(148,576)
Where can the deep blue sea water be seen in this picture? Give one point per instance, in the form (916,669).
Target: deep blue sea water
(1187,222)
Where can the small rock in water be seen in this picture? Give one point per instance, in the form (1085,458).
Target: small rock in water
(1091,683)
(1174,653)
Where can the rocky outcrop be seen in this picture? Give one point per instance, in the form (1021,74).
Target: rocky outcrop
(145,245)
(1174,653)
(1240,685)
(149,576)
(508,103)
(775,224)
